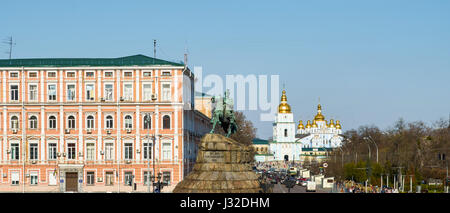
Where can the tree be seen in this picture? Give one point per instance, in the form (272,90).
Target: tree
(245,130)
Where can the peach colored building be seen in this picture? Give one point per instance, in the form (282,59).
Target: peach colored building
(80,124)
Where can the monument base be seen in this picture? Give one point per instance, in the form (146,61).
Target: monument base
(223,166)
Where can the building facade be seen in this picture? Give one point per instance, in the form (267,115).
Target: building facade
(96,125)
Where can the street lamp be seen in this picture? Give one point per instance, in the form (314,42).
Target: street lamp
(371,140)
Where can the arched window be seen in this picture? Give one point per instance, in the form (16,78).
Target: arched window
(147,122)
(33,122)
(285,133)
(128,122)
(166,122)
(14,122)
(52,122)
(71,123)
(90,122)
(109,122)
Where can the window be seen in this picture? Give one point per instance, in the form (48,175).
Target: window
(109,176)
(13,74)
(15,178)
(89,74)
(166,177)
(128,151)
(167,151)
(14,89)
(33,178)
(166,92)
(89,92)
(128,122)
(71,74)
(33,122)
(108,92)
(109,151)
(166,73)
(147,74)
(33,92)
(52,151)
(147,150)
(33,151)
(147,176)
(52,92)
(147,92)
(15,151)
(14,122)
(128,74)
(32,74)
(70,92)
(90,176)
(147,122)
(128,92)
(51,74)
(71,122)
(52,122)
(108,74)
(90,151)
(90,122)
(166,122)
(128,178)
(71,149)
(285,133)
(109,122)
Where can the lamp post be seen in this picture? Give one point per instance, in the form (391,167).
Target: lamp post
(371,140)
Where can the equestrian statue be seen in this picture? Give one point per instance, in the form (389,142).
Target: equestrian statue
(223,114)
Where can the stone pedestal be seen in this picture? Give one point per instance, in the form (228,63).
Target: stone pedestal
(222,166)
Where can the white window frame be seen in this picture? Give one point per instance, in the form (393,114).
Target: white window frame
(30,126)
(162,121)
(13,175)
(68,151)
(166,156)
(105,92)
(106,121)
(56,121)
(125,153)
(35,176)
(92,93)
(48,92)
(125,121)
(163,96)
(74,91)
(149,96)
(128,71)
(11,126)
(10,91)
(127,96)
(86,74)
(88,125)
(13,155)
(29,74)
(104,74)
(109,153)
(36,95)
(90,151)
(48,74)
(67,74)
(50,152)
(68,122)
(35,151)
(13,72)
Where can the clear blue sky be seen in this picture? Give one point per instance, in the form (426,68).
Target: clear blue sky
(370,62)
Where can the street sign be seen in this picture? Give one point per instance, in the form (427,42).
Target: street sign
(325,165)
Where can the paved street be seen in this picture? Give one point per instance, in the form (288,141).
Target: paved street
(280,188)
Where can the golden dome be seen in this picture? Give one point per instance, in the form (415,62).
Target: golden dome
(338,125)
(319,116)
(284,107)
(300,125)
(331,123)
(314,124)
(308,124)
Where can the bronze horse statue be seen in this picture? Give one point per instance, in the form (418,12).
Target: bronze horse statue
(223,114)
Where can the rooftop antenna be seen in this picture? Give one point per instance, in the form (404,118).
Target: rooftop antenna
(9,41)
(185,55)
(154,50)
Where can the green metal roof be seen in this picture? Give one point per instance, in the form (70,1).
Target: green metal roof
(260,141)
(134,60)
